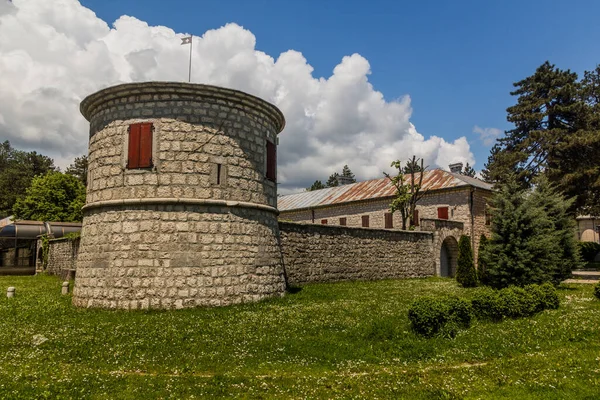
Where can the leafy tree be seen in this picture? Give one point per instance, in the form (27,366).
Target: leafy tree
(52,197)
(530,236)
(348,174)
(408,191)
(79,169)
(466,274)
(17,169)
(469,171)
(333,180)
(315,186)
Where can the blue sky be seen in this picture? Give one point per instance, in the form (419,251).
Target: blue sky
(457,60)
(360,83)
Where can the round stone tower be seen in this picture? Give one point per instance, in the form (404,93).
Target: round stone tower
(181,198)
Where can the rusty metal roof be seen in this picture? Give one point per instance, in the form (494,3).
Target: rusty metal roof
(435,179)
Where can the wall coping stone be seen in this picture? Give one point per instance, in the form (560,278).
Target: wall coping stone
(122,92)
(182,201)
(352,228)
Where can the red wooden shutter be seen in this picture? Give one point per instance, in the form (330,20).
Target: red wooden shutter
(365,221)
(343,221)
(271,161)
(442,212)
(145,146)
(323,222)
(416,218)
(133,158)
(389,221)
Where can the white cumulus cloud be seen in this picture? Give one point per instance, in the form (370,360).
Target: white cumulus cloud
(487,135)
(54,53)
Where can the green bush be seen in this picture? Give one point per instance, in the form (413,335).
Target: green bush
(588,250)
(514,302)
(597,290)
(466,274)
(549,298)
(431,316)
(487,304)
(518,302)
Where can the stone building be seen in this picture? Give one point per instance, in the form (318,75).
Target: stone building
(447,196)
(181,198)
(588,228)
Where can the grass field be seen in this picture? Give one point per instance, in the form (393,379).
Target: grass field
(347,340)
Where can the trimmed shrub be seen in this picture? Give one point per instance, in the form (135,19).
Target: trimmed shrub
(466,274)
(597,290)
(514,302)
(517,302)
(430,316)
(588,250)
(549,298)
(488,305)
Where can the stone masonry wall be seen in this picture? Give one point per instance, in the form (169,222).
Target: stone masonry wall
(177,256)
(198,227)
(457,201)
(193,133)
(62,256)
(320,253)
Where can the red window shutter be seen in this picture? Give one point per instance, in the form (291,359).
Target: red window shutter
(389,221)
(343,221)
(145,146)
(133,158)
(416,218)
(442,212)
(271,161)
(365,221)
(323,222)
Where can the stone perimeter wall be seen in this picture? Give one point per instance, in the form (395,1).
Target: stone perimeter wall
(62,257)
(321,253)
(311,253)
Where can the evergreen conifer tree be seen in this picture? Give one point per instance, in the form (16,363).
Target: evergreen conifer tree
(466,274)
(347,173)
(529,241)
(481,260)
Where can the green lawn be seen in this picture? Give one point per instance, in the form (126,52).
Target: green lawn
(347,340)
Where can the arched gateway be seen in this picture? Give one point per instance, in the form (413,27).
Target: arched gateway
(448,257)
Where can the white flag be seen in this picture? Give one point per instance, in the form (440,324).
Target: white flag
(186,40)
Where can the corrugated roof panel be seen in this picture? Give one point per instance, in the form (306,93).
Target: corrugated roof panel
(435,179)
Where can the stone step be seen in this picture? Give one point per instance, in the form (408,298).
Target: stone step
(587,275)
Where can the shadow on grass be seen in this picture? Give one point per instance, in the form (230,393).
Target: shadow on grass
(293,289)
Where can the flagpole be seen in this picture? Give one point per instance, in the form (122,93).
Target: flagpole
(190,69)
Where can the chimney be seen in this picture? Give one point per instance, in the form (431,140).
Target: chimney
(456,167)
(344,180)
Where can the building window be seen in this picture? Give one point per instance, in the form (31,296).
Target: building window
(488,217)
(139,154)
(416,218)
(365,221)
(343,221)
(323,222)
(271,161)
(389,221)
(442,212)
